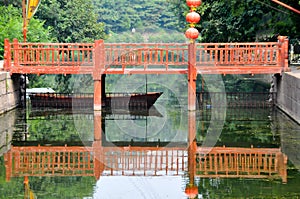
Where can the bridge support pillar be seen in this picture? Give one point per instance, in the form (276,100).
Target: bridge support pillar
(99,165)
(97,145)
(98,126)
(192,95)
(192,77)
(191,189)
(98,75)
(98,94)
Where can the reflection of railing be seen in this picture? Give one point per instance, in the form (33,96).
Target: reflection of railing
(50,161)
(236,99)
(145,161)
(80,161)
(150,161)
(241,162)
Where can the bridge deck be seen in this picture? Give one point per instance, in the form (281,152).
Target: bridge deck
(100,57)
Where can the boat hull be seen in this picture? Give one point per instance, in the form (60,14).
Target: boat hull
(57,100)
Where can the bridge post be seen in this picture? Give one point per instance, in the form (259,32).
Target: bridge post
(97,145)
(16,52)
(99,82)
(191,188)
(192,77)
(284,52)
(98,126)
(7,55)
(99,165)
(97,94)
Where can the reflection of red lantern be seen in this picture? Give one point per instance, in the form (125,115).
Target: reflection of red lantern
(193,17)
(191,191)
(193,3)
(191,33)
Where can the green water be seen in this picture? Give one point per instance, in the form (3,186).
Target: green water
(259,128)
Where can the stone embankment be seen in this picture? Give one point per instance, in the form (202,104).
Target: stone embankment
(9,90)
(7,127)
(288,94)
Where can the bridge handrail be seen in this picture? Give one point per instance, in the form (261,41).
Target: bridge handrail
(25,56)
(239,54)
(88,58)
(162,55)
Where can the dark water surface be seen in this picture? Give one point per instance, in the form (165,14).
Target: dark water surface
(60,153)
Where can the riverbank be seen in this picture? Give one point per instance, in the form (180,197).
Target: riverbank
(9,90)
(288,94)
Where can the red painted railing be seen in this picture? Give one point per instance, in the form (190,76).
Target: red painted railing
(48,58)
(146,58)
(239,58)
(100,57)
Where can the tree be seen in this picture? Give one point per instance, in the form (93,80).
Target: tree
(124,15)
(227,21)
(11,27)
(74,21)
(16,3)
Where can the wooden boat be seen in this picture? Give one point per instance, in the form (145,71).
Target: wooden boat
(107,112)
(112,100)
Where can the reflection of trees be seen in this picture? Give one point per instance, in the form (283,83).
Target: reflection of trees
(61,126)
(242,127)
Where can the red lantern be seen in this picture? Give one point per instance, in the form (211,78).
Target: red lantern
(192,17)
(193,3)
(191,191)
(191,33)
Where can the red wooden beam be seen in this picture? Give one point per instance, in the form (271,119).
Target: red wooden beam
(286,6)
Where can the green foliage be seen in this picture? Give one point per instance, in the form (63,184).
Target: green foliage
(60,128)
(11,27)
(16,3)
(49,187)
(74,21)
(150,35)
(123,15)
(252,20)
(36,81)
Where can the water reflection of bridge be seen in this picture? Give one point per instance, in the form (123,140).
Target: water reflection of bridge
(224,162)
(122,157)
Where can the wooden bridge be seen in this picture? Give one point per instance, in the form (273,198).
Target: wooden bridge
(101,58)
